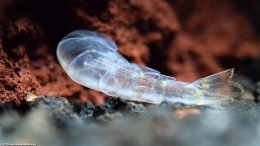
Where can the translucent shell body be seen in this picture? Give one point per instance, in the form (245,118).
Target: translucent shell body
(92,60)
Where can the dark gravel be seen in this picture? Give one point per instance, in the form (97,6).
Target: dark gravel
(56,121)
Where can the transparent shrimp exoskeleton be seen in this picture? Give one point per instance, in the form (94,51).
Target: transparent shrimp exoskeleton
(92,60)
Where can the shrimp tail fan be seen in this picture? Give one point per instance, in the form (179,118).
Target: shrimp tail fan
(220,84)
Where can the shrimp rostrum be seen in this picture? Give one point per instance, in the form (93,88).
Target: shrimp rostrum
(92,60)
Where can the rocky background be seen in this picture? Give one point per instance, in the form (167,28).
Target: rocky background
(182,38)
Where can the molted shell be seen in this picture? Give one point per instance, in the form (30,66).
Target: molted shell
(92,60)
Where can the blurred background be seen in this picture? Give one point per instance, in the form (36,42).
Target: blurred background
(182,38)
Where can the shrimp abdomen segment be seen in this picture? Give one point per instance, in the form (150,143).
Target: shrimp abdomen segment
(131,83)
